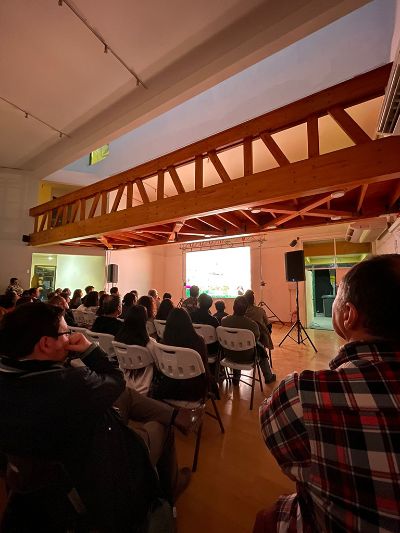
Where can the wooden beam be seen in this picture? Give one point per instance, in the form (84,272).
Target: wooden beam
(248,156)
(395,195)
(43,221)
(362,196)
(160,185)
(175,230)
(74,212)
(372,162)
(82,211)
(312,136)
(129,194)
(176,180)
(142,191)
(276,152)
(230,219)
(308,207)
(219,167)
(106,242)
(349,125)
(104,203)
(95,203)
(351,92)
(198,172)
(327,213)
(117,198)
(210,222)
(249,216)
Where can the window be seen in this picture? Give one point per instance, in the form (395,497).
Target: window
(98,155)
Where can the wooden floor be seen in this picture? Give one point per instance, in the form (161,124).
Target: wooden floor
(237,476)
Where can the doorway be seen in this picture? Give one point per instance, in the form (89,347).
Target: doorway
(322,287)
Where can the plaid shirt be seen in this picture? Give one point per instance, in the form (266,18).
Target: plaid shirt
(337,434)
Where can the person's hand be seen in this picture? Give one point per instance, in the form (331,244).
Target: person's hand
(78,343)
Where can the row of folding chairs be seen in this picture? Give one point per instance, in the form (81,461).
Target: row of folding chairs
(83,319)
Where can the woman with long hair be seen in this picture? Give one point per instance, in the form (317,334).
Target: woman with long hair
(91,302)
(179,331)
(76,299)
(149,304)
(134,332)
(164,310)
(128,301)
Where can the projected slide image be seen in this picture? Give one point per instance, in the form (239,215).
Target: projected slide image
(219,273)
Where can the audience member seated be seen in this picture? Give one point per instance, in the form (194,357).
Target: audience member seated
(76,299)
(128,301)
(220,307)
(191,304)
(154,294)
(66,291)
(102,297)
(239,320)
(23,300)
(167,296)
(88,290)
(108,321)
(114,291)
(335,432)
(166,306)
(59,301)
(34,293)
(91,302)
(56,410)
(259,315)
(134,332)
(179,331)
(202,315)
(8,301)
(15,287)
(149,304)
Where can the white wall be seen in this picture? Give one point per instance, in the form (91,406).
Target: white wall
(390,244)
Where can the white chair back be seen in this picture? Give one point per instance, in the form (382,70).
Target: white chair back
(178,363)
(79,317)
(207,332)
(89,318)
(150,328)
(104,340)
(236,339)
(132,357)
(160,327)
(75,329)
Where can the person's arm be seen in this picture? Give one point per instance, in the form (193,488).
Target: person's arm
(283,429)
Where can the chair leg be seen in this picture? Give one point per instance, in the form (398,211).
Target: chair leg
(217,415)
(259,377)
(197,448)
(253,383)
(270,357)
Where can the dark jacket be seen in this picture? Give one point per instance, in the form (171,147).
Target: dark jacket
(63,413)
(107,324)
(203,316)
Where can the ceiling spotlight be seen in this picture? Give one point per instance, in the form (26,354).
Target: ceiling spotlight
(294,242)
(271,226)
(338,194)
(207,236)
(255,210)
(336,217)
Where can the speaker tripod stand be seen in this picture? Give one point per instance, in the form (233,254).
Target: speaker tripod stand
(298,327)
(272,315)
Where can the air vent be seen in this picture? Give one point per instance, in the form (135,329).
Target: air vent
(389,120)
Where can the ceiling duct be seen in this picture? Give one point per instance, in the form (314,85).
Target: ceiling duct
(389,122)
(366,231)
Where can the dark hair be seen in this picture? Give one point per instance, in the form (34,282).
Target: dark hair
(8,300)
(165,308)
(134,329)
(373,287)
(22,329)
(57,300)
(194,291)
(89,288)
(167,296)
(240,305)
(249,295)
(13,280)
(92,299)
(66,295)
(66,290)
(135,292)
(110,304)
(114,290)
(220,305)
(77,295)
(32,290)
(148,303)
(129,299)
(205,301)
(23,300)
(152,293)
(179,330)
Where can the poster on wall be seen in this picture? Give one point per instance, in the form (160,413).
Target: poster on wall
(44,276)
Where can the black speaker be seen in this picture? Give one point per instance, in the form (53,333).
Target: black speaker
(294,266)
(112,273)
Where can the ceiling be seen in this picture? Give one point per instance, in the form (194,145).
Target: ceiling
(55,69)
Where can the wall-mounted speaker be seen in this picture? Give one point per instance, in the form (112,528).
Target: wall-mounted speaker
(294,266)
(112,273)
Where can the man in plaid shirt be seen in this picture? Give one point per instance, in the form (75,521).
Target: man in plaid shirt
(337,432)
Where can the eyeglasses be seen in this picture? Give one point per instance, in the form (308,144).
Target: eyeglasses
(68,332)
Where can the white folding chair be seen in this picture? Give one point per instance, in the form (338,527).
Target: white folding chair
(79,317)
(132,357)
(209,335)
(104,340)
(150,328)
(185,363)
(75,329)
(160,327)
(239,340)
(89,318)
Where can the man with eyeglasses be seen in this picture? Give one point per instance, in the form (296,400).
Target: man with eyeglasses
(71,459)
